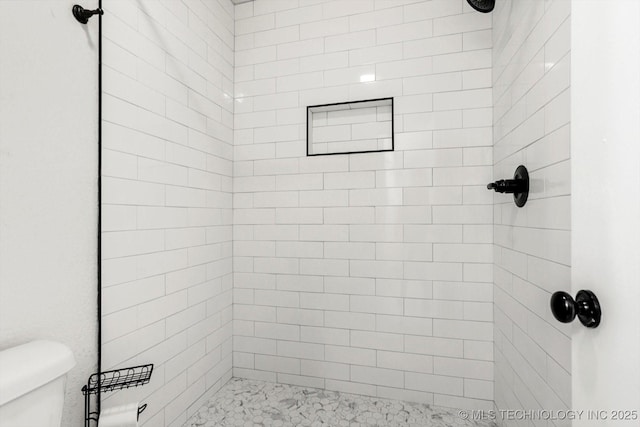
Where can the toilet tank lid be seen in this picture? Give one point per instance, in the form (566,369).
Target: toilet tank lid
(26,367)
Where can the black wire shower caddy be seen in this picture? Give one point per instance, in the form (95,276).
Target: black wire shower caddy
(114,380)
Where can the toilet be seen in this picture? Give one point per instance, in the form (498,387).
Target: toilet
(32,384)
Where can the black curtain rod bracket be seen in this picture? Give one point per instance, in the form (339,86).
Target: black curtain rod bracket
(83,15)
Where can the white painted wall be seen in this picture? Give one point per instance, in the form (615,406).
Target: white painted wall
(48,183)
(531,75)
(365,273)
(167,170)
(605,146)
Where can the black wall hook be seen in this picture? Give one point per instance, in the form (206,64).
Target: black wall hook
(83,15)
(519,186)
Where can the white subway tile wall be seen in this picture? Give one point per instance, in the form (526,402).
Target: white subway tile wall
(167,200)
(531,88)
(364,273)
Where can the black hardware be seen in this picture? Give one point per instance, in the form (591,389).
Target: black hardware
(141,409)
(83,15)
(585,306)
(484,6)
(117,379)
(519,186)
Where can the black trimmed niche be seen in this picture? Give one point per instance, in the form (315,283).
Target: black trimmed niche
(350,127)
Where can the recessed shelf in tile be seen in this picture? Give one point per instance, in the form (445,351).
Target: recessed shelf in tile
(350,127)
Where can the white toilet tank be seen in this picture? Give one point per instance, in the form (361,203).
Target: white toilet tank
(32,380)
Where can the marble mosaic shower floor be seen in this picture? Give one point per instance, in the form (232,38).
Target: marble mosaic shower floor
(255,403)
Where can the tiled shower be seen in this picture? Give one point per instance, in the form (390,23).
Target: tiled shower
(167,199)
(227,251)
(365,273)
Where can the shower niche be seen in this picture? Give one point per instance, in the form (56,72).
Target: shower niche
(350,127)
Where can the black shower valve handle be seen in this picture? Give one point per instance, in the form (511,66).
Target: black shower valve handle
(507,186)
(518,186)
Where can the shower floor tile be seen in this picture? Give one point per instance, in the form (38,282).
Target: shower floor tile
(252,403)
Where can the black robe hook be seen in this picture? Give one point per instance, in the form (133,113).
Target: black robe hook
(83,15)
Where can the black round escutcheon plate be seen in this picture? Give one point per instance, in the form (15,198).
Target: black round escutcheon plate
(521,174)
